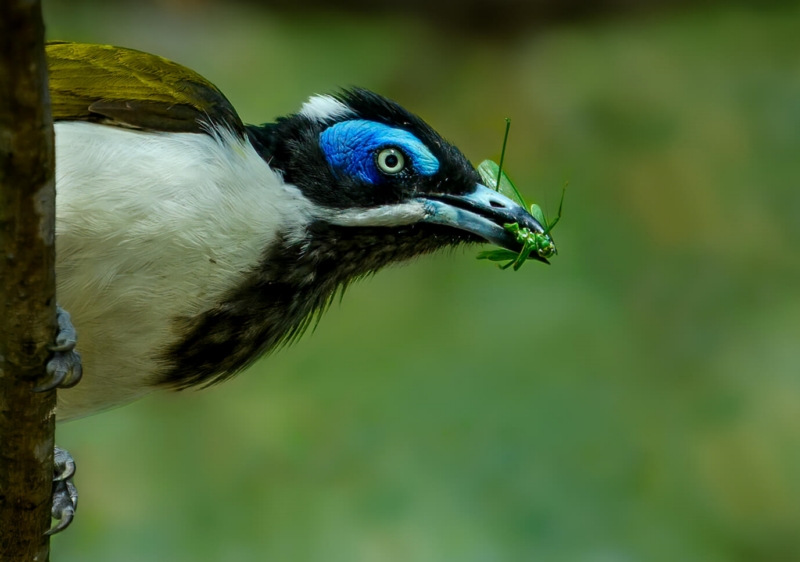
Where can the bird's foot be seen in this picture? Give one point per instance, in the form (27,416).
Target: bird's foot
(64,369)
(65,495)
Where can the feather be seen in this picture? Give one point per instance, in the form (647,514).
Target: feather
(132,89)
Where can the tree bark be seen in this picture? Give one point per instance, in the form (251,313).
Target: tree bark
(27,283)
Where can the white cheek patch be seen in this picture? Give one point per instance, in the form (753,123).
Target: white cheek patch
(324,108)
(385,215)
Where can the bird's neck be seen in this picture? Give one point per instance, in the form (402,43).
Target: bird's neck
(287,292)
(271,141)
(272,305)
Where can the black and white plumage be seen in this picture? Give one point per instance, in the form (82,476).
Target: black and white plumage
(189,244)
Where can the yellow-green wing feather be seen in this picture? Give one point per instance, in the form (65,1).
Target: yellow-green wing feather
(128,88)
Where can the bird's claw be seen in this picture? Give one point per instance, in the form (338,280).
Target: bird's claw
(64,369)
(65,495)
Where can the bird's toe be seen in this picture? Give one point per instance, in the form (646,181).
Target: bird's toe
(65,494)
(64,369)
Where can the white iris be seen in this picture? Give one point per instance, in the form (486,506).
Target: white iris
(391,161)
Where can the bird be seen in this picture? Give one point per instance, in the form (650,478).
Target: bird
(190,243)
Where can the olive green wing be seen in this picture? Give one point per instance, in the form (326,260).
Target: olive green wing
(128,88)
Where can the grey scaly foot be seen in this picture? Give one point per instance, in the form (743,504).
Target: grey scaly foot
(65,495)
(64,369)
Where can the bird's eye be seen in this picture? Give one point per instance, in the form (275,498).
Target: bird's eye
(391,161)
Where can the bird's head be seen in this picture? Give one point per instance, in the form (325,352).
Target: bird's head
(383,185)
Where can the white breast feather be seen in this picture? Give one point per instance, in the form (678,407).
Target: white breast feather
(151,226)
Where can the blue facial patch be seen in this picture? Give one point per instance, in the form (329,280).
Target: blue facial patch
(350,148)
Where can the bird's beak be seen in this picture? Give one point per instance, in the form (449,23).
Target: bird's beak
(483,213)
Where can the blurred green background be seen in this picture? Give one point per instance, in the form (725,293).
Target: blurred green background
(637,400)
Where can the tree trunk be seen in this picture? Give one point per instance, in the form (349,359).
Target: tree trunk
(27,283)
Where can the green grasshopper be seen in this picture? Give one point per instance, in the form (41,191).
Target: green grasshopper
(493,176)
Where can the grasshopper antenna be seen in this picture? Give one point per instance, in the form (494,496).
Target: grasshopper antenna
(503,154)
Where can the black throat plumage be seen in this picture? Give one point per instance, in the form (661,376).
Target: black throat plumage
(286,293)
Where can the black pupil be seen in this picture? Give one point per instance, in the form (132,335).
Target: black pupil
(391,161)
